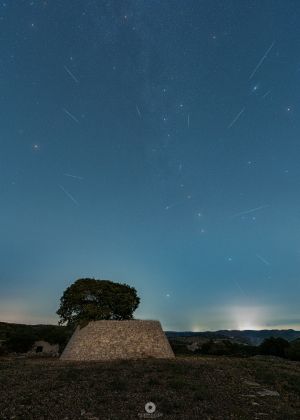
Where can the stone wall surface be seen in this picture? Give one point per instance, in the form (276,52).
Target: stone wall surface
(108,340)
(48,349)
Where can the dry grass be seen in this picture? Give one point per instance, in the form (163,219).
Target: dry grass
(184,388)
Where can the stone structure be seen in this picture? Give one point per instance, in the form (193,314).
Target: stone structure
(109,340)
(193,346)
(43,348)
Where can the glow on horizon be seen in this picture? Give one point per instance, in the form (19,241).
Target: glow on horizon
(241,317)
(248,318)
(220,318)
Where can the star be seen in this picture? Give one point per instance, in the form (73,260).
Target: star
(255,88)
(35,147)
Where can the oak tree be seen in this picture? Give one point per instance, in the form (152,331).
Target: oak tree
(89,299)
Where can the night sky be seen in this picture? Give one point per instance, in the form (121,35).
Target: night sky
(154,143)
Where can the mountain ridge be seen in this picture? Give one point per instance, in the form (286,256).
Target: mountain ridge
(251,337)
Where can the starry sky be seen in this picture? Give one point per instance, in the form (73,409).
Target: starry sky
(154,143)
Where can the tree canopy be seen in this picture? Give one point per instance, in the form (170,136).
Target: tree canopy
(91,300)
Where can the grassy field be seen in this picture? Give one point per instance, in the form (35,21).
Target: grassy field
(184,388)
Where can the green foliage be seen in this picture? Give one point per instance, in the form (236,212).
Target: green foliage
(227,348)
(270,347)
(179,347)
(20,342)
(293,351)
(274,347)
(91,300)
(20,337)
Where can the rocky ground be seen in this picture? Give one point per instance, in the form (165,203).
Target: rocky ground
(185,388)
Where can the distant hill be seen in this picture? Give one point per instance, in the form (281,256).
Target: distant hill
(56,333)
(251,337)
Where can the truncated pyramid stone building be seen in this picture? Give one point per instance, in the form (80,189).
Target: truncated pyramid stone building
(109,340)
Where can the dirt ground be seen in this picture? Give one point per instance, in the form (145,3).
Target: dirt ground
(184,388)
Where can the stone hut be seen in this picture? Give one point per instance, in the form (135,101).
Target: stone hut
(111,340)
(43,348)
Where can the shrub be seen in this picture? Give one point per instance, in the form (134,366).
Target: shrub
(293,351)
(274,347)
(20,342)
(227,348)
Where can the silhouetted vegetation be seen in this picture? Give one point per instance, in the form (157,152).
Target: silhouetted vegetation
(274,347)
(91,300)
(251,337)
(19,338)
(270,347)
(20,341)
(179,347)
(293,351)
(227,348)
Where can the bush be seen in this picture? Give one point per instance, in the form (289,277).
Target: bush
(293,351)
(227,348)
(274,347)
(20,342)
(179,347)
